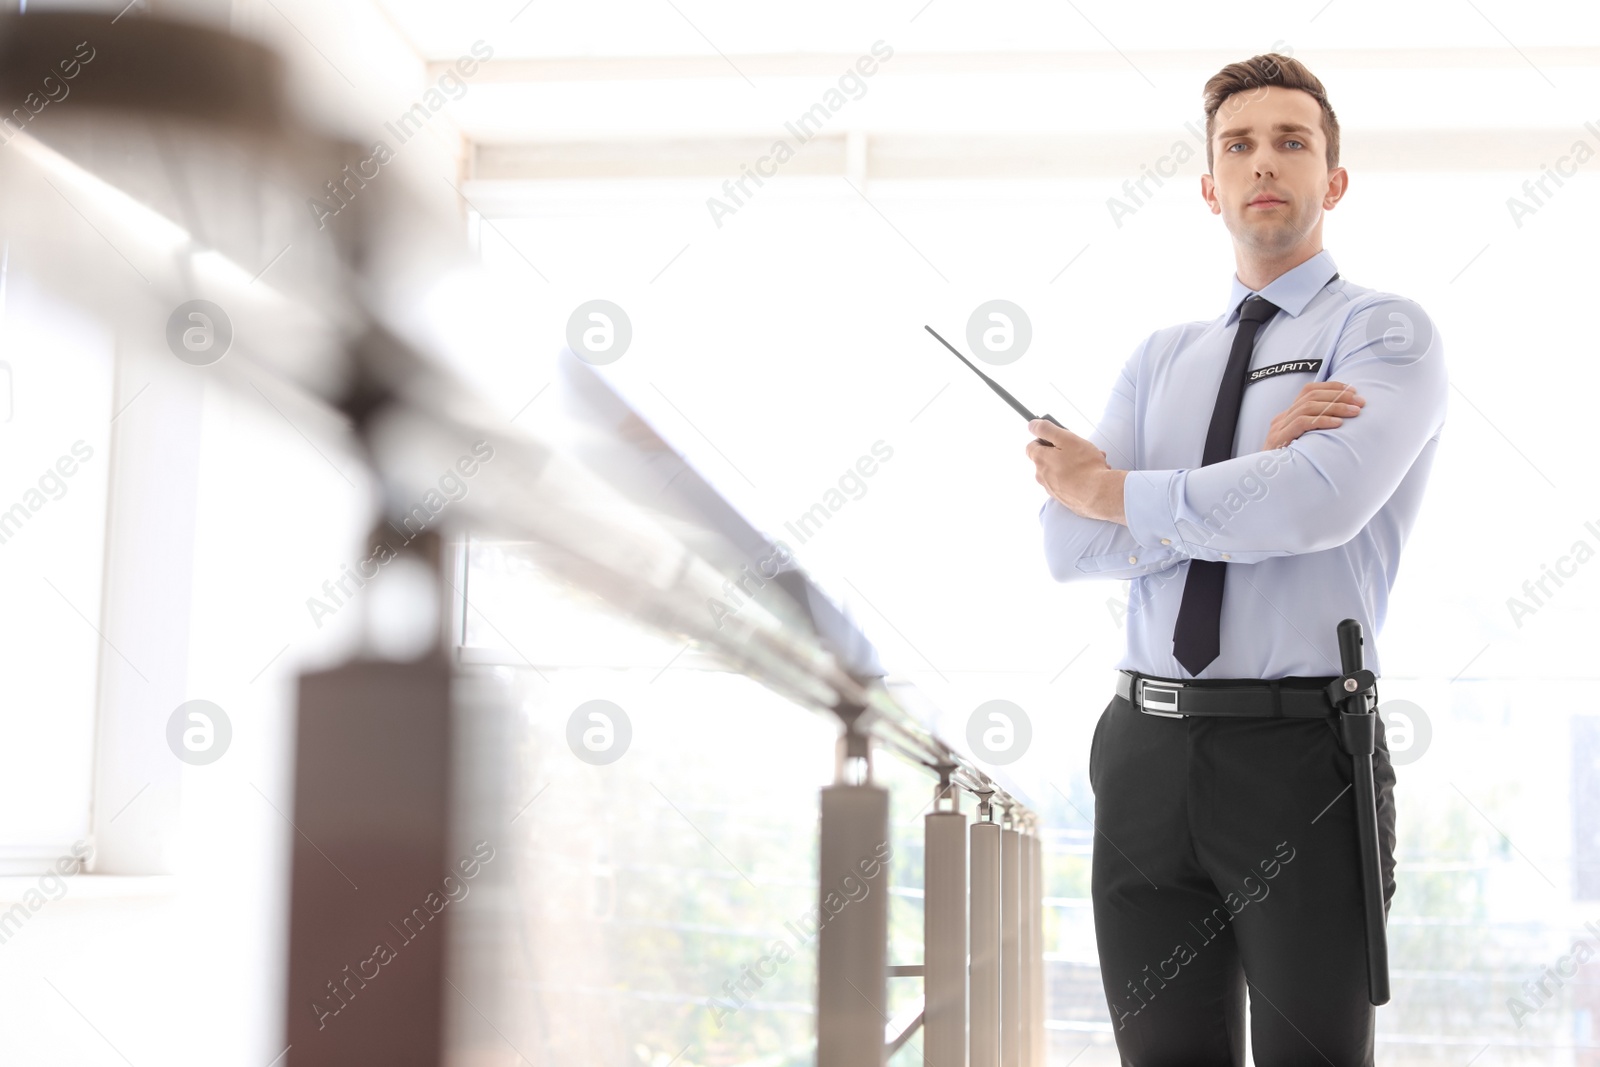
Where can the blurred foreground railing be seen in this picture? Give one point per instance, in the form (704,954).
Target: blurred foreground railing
(181,154)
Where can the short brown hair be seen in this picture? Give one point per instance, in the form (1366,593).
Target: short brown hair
(1269,69)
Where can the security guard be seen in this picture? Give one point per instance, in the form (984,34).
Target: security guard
(1225,855)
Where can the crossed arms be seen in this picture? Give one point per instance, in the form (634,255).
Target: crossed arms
(1313,493)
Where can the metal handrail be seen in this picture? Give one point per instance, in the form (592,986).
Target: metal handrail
(618,514)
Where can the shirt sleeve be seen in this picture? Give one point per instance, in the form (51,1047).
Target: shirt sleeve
(1318,491)
(1077,548)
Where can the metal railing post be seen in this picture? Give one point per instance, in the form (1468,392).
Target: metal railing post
(1027,932)
(985,936)
(853,897)
(944,930)
(1010,949)
(1041,1038)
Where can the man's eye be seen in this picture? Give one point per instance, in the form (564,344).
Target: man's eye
(1293,141)
(1236,144)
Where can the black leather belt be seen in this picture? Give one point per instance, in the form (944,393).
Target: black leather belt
(1293,698)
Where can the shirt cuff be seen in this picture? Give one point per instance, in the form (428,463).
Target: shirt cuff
(1147,505)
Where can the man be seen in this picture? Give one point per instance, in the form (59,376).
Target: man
(1277,453)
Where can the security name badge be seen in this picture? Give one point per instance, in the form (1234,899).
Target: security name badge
(1293,366)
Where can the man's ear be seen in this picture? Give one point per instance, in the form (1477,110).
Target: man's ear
(1208,193)
(1338,183)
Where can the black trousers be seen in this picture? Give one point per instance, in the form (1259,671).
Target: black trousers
(1225,860)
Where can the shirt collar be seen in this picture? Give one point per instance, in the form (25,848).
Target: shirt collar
(1292,290)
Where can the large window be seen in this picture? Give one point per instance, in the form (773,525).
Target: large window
(55,429)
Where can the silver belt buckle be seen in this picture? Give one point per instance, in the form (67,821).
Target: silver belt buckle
(1171,707)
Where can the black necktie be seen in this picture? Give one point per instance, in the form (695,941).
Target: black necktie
(1196,640)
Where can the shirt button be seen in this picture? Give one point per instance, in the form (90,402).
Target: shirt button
(1166,540)
(1226,556)
(1133,559)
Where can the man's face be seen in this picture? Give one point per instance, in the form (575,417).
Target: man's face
(1269,177)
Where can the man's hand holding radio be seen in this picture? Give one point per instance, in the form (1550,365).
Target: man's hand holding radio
(1075,472)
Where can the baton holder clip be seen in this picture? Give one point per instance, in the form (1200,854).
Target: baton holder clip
(1358,726)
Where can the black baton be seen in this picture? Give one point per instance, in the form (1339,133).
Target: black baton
(1358,728)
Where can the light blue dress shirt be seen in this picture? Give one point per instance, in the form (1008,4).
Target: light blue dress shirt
(1313,530)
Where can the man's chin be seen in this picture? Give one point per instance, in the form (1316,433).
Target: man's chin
(1268,235)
